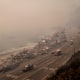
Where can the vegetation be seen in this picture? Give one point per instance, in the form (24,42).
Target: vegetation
(71,71)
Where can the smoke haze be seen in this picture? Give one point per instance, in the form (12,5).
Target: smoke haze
(24,21)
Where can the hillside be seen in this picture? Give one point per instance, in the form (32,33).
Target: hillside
(71,71)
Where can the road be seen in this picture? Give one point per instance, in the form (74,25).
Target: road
(44,65)
(47,65)
(50,66)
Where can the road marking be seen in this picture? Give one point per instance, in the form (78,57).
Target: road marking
(51,69)
(9,75)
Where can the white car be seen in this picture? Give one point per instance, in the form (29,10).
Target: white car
(58,52)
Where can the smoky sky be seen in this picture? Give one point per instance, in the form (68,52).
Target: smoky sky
(26,20)
(34,15)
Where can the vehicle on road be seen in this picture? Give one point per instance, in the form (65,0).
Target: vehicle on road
(71,42)
(28,67)
(58,52)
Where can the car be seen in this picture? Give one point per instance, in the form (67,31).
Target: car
(71,42)
(27,67)
(58,52)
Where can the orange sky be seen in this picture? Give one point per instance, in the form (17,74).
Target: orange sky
(34,14)
(25,20)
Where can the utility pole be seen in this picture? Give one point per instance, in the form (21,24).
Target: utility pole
(74,47)
(73,44)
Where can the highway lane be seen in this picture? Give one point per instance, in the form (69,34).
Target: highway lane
(52,59)
(18,71)
(36,60)
(67,53)
(40,59)
(47,61)
(39,75)
(51,67)
(41,64)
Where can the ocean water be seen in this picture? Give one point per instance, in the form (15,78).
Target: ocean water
(8,44)
(10,40)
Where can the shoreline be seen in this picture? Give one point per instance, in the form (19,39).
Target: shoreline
(7,54)
(29,46)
